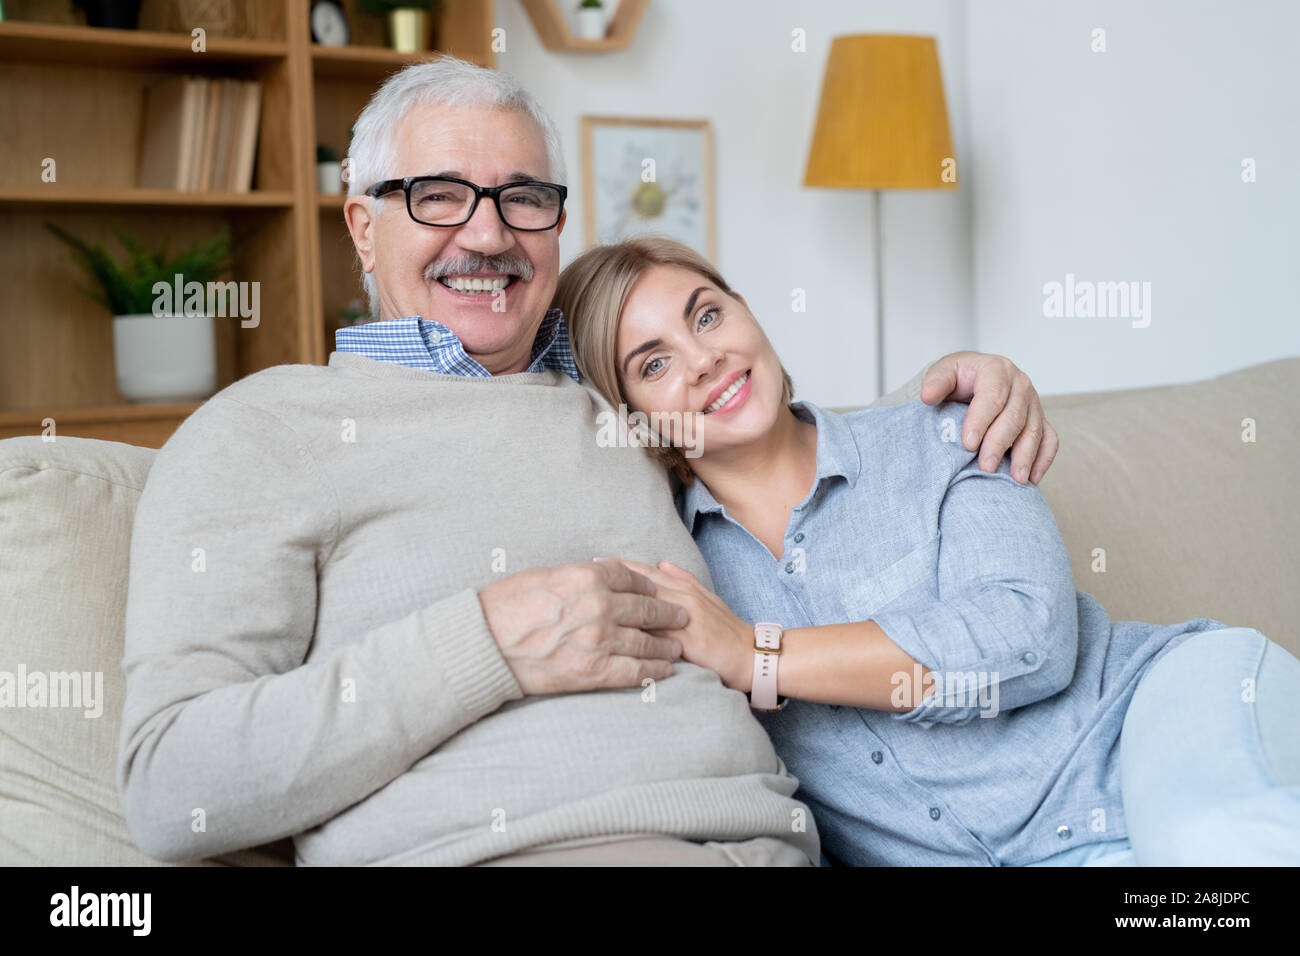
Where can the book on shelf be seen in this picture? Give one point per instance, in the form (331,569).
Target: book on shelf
(213,112)
(219,148)
(166,134)
(199,134)
(246,137)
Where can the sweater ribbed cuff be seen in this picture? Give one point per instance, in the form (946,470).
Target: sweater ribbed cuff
(467,654)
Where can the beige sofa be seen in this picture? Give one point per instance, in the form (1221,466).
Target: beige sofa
(1193,521)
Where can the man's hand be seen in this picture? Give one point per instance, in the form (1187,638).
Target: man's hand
(581,627)
(1004,411)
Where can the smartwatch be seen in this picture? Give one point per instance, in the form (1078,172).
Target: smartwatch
(767,655)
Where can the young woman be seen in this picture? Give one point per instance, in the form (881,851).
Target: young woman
(946,695)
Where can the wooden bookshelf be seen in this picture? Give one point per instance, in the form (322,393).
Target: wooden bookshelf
(358,63)
(149,425)
(75,94)
(60,43)
(56,194)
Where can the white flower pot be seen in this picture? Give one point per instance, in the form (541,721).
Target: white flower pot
(329,178)
(591,23)
(165,359)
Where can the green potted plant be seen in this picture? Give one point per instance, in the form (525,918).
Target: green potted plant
(162,352)
(591,20)
(408,22)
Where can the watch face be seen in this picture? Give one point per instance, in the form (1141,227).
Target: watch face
(329,27)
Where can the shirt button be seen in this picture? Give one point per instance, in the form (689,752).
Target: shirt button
(1063,832)
(798,537)
(934,813)
(877,756)
(1029,657)
(435,335)
(789,568)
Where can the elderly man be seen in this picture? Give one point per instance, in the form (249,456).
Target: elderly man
(362,610)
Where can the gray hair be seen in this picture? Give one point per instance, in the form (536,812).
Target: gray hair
(445,81)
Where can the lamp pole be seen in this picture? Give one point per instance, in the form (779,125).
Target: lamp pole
(879,279)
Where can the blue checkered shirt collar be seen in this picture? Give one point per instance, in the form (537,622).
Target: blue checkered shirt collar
(431,346)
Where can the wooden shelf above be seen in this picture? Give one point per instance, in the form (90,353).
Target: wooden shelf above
(102,413)
(57,195)
(146,425)
(98,46)
(371,63)
(553,27)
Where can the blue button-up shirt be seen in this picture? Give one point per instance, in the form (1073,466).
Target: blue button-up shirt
(1014,757)
(431,346)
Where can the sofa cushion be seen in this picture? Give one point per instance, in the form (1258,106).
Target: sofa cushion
(66,510)
(1193,520)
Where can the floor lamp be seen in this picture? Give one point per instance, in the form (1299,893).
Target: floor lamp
(882,124)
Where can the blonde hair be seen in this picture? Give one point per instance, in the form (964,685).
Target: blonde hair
(592,291)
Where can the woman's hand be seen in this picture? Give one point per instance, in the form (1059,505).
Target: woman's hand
(713,637)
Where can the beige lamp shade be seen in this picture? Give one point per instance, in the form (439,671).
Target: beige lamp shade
(882,122)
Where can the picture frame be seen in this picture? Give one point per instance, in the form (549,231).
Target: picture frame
(619,202)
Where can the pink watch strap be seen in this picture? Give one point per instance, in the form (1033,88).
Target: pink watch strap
(767,654)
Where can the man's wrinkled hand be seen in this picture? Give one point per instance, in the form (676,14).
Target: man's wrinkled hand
(580,627)
(1005,411)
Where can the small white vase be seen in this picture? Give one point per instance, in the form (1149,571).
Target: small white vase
(591,23)
(408,30)
(165,359)
(329,178)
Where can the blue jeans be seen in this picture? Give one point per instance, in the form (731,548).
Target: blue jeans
(1209,759)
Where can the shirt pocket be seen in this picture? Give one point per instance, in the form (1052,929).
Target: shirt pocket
(912,575)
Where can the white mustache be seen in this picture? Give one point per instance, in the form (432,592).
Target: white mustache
(468,265)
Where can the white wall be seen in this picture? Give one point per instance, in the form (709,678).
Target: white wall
(1126,165)
(730,61)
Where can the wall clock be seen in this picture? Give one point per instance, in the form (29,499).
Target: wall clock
(329,25)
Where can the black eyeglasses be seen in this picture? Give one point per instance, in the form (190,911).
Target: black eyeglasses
(440,201)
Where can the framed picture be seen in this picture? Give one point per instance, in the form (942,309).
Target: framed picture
(648,175)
